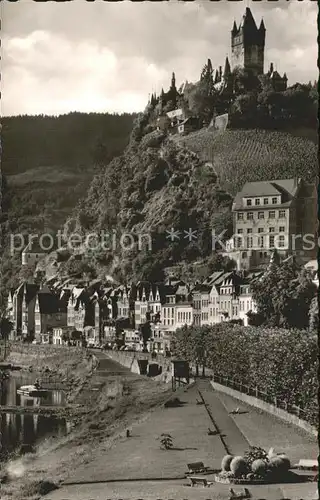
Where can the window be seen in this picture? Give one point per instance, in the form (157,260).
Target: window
(271,241)
(244,255)
(282,214)
(238,242)
(274,200)
(261,242)
(260,215)
(257,201)
(271,229)
(240,231)
(249,231)
(249,202)
(249,242)
(260,229)
(281,241)
(250,215)
(265,201)
(240,216)
(272,215)
(281,229)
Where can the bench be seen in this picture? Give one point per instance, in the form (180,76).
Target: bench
(197,467)
(233,495)
(307,464)
(200,480)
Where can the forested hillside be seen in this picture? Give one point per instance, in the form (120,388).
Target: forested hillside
(50,161)
(48,164)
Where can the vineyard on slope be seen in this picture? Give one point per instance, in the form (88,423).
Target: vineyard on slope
(240,156)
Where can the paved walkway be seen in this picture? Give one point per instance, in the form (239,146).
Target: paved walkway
(235,442)
(188,425)
(265,430)
(136,468)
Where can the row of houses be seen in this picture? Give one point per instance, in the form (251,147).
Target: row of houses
(99,313)
(52,312)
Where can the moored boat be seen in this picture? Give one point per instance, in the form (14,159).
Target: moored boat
(32,391)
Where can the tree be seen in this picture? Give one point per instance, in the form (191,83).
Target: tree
(145,333)
(100,154)
(5,328)
(65,337)
(283,296)
(314,314)
(166,441)
(207,78)
(201,102)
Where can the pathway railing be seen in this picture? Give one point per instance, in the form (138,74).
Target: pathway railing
(237,385)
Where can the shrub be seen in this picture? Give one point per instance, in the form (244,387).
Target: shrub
(279,465)
(166,441)
(255,453)
(39,488)
(226,461)
(259,467)
(238,466)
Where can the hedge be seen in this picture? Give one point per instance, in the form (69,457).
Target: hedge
(282,363)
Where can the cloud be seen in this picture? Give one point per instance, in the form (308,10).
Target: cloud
(101,56)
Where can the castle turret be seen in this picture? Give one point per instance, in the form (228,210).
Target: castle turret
(247,44)
(227,69)
(262,27)
(234,29)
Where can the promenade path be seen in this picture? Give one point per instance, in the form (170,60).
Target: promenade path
(136,468)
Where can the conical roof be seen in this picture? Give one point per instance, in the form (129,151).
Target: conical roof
(248,20)
(227,68)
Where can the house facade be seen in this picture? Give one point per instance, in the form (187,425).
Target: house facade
(32,253)
(50,312)
(270,215)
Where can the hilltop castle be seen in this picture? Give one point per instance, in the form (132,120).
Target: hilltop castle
(247,52)
(247,44)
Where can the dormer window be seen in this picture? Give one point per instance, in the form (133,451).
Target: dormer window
(274,200)
(265,201)
(257,201)
(249,202)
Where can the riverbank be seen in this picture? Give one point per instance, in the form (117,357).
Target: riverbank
(112,399)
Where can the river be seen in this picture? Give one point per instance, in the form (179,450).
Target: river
(27,429)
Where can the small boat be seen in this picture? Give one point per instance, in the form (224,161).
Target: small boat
(32,391)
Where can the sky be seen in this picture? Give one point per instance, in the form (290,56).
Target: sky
(59,57)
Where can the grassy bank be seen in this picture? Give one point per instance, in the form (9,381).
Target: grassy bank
(112,403)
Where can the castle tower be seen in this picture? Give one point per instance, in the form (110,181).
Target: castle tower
(247,44)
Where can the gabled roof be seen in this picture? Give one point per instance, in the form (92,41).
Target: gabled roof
(30,291)
(50,303)
(175,113)
(201,288)
(286,187)
(213,277)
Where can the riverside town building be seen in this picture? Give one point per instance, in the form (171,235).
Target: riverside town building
(266,215)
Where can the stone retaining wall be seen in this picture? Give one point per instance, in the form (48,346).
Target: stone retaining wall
(131,360)
(258,403)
